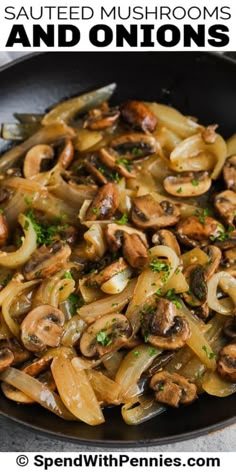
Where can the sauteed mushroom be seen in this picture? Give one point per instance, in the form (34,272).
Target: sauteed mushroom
(227,362)
(197,281)
(138,115)
(6,358)
(229,173)
(214,253)
(134,251)
(112,279)
(111,160)
(225,204)
(166,238)
(162,328)
(101,118)
(230,328)
(19,352)
(67,154)
(114,235)
(34,158)
(46,261)
(104,204)
(134,146)
(187,185)
(3,230)
(192,232)
(42,328)
(107,334)
(148,213)
(173,389)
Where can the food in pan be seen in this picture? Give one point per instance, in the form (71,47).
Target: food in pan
(117,260)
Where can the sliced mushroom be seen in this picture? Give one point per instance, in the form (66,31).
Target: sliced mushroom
(225,204)
(134,146)
(227,362)
(134,251)
(202,311)
(67,154)
(3,230)
(162,328)
(114,235)
(6,358)
(138,115)
(230,327)
(112,279)
(187,185)
(197,281)
(15,395)
(107,334)
(229,173)
(34,158)
(101,118)
(19,352)
(215,255)
(173,389)
(46,261)
(42,328)
(192,232)
(38,365)
(230,255)
(105,203)
(148,213)
(111,160)
(93,167)
(166,238)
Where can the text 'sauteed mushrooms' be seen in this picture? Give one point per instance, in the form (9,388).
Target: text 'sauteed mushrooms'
(117,259)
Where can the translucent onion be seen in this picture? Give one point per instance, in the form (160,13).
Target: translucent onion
(37,391)
(167,138)
(15,205)
(8,298)
(117,283)
(140,410)
(61,291)
(167,116)
(112,362)
(107,390)
(109,304)
(29,245)
(89,294)
(95,242)
(194,154)
(228,284)
(48,134)
(149,282)
(66,110)
(72,193)
(72,331)
(76,391)
(132,367)
(214,385)
(86,139)
(195,256)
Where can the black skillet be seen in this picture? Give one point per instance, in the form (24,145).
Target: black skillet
(198,84)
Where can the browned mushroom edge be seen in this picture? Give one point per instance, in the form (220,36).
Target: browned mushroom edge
(47,260)
(104,204)
(139,116)
(147,213)
(173,389)
(226,365)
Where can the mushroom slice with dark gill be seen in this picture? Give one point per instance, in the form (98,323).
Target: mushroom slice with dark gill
(187,185)
(139,116)
(46,261)
(113,161)
(229,173)
(112,279)
(173,389)
(192,232)
(196,279)
(162,327)
(104,204)
(114,235)
(166,238)
(225,204)
(107,334)
(67,154)
(19,352)
(148,213)
(134,146)
(42,328)
(230,327)
(34,158)
(226,365)
(6,358)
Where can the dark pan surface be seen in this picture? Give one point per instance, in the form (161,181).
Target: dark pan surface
(198,84)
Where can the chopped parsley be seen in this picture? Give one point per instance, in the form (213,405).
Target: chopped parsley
(171,295)
(102,170)
(6,280)
(222,234)
(137,151)
(136,353)
(95,211)
(76,302)
(27,201)
(45,233)
(104,338)
(179,190)
(1,211)
(194,182)
(38,273)
(115,177)
(152,351)
(158,292)
(124,162)
(123,220)
(159,266)
(67,275)
(202,216)
(210,355)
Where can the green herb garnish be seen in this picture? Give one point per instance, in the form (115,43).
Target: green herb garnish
(104,338)
(123,220)
(210,355)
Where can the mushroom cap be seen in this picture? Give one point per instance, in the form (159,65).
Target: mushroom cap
(225,205)
(196,279)
(134,145)
(42,327)
(105,335)
(187,185)
(104,204)
(34,158)
(166,238)
(6,358)
(138,115)
(148,213)
(47,260)
(227,362)
(114,235)
(173,389)
(192,232)
(134,251)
